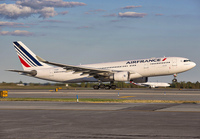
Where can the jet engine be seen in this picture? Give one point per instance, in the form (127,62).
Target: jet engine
(140,80)
(33,73)
(120,76)
(42,73)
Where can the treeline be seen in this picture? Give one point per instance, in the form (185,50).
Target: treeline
(182,85)
(90,85)
(187,85)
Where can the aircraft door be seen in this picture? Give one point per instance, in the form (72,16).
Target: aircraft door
(146,65)
(148,69)
(174,62)
(51,73)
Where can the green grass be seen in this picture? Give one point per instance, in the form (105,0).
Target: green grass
(96,100)
(28,87)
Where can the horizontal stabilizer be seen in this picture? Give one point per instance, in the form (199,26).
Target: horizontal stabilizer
(32,72)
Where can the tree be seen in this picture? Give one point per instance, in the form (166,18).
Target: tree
(83,84)
(88,85)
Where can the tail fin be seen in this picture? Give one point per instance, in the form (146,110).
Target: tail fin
(27,58)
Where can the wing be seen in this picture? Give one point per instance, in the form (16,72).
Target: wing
(79,69)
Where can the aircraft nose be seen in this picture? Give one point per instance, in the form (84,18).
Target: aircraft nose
(193,64)
(190,65)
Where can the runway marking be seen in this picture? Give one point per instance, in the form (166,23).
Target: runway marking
(97,100)
(126,96)
(96,110)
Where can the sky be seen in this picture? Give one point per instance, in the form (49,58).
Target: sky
(96,31)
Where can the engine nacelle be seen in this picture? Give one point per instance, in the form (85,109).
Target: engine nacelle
(140,80)
(41,73)
(120,76)
(33,73)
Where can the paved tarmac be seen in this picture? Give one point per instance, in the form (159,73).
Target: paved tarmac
(60,120)
(139,94)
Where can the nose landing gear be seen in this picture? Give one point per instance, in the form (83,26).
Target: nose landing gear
(174,80)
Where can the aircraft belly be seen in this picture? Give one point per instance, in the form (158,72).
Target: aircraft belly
(162,70)
(72,78)
(83,79)
(155,70)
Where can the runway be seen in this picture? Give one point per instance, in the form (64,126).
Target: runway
(133,94)
(38,119)
(139,94)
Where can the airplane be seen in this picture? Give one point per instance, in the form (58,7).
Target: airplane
(136,71)
(152,84)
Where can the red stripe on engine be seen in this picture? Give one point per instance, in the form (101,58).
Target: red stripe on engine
(164,59)
(23,62)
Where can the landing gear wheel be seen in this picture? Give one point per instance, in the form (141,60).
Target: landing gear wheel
(107,87)
(113,87)
(102,86)
(96,87)
(174,80)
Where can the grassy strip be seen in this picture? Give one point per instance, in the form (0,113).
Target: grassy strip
(96,100)
(39,99)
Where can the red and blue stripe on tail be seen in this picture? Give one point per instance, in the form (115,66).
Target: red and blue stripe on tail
(27,57)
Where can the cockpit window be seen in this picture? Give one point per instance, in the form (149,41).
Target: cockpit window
(186,60)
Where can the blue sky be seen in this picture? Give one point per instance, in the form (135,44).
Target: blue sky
(95,31)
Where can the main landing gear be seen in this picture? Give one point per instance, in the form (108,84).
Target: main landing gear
(174,80)
(103,86)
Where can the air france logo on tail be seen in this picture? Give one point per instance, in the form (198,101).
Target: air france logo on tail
(25,57)
(23,62)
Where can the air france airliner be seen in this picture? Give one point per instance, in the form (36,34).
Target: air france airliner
(152,84)
(136,71)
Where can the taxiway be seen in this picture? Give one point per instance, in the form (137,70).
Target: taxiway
(37,119)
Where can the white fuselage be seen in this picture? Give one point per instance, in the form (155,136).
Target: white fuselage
(152,84)
(136,68)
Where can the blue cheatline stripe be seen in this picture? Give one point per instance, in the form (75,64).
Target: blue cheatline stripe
(25,59)
(27,53)
(24,56)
